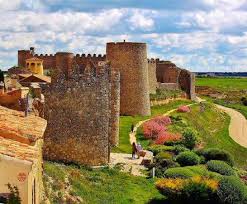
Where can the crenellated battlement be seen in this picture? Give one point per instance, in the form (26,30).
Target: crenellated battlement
(152,61)
(100,57)
(52,61)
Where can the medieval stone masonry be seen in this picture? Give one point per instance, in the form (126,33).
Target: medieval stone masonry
(88,93)
(80,121)
(130,59)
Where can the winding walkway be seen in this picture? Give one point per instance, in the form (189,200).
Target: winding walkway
(237,131)
(238,125)
(135,166)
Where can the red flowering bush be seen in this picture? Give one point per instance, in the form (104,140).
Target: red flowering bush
(151,129)
(167,137)
(163,120)
(183,109)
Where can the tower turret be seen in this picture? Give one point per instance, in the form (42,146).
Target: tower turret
(130,59)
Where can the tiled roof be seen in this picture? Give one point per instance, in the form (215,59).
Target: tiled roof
(14,126)
(42,77)
(18,150)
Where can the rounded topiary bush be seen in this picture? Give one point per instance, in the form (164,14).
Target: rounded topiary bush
(179,148)
(189,138)
(156,149)
(232,190)
(188,158)
(163,155)
(220,167)
(218,154)
(162,165)
(179,172)
(245,102)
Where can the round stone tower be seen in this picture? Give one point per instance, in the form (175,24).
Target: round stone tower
(130,59)
(64,61)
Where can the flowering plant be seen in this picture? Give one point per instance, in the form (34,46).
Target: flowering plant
(183,109)
(163,120)
(151,129)
(167,137)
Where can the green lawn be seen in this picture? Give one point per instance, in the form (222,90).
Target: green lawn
(127,121)
(97,185)
(212,126)
(223,84)
(237,106)
(232,88)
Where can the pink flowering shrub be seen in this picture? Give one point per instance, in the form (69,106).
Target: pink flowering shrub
(163,120)
(151,129)
(167,137)
(183,109)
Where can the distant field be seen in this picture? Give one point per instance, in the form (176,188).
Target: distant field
(223,84)
(233,89)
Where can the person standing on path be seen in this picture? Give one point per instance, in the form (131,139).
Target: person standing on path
(134,150)
(132,127)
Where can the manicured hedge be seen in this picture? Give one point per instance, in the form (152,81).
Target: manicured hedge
(164,155)
(232,190)
(220,167)
(179,148)
(159,148)
(162,165)
(179,172)
(188,158)
(190,171)
(217,154)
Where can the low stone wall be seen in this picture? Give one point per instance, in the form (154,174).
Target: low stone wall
(168,86)
(166,101)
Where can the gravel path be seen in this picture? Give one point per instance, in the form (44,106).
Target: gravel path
(238,125)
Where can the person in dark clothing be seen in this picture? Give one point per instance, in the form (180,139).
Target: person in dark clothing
(134,150)
(132,127)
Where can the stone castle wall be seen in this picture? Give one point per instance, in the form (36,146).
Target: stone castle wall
(131,61)
(167,72)
(49,61)
(115,108)
(187,83)
(83,60)
(168,75)
(78,111)
(52,61)
(152,80)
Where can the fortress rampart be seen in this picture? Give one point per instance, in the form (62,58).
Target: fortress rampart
(130,59)
(81,126)
(168,73)
(89,92)
(152,79)
(52,61)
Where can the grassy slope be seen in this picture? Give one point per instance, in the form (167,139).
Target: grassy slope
(212,126)
(223,84)
(237,106)
(98,185)
(127,121)
(237,87)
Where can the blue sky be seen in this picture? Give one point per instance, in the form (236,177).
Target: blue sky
(200,35)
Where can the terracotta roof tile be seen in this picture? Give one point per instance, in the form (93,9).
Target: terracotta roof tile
(14,126)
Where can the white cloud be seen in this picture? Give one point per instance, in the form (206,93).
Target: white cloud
(142,20)
(216,20)
(6,5)
(225,4)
